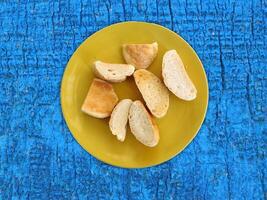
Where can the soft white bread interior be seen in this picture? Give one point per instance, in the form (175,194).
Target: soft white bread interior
(142,125)
(119,118)
(175,77)
(100,100)
(113,72)
(140,55)
(154,92)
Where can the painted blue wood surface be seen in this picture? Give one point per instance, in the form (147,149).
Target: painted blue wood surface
(39,159)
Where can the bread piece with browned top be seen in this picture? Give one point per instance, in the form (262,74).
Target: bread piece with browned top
(100,100)
(140,55)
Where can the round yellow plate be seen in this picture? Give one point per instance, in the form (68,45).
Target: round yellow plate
(177,128)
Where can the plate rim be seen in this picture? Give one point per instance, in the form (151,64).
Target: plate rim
(63,79)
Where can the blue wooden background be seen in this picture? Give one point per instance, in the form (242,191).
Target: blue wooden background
(39,159)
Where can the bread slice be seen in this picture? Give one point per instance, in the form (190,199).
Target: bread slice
(140,55)
(176,78)
(100,99)
(154,92)
(113,72)
(119,119)
(142,125)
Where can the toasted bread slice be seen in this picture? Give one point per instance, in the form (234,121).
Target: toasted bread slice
(119,119)
(142,125)
(140,55)
(154,92)
(100,99)
(113,72)
(175,77)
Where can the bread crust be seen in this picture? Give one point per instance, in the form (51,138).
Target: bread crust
(100,100)
(140,55)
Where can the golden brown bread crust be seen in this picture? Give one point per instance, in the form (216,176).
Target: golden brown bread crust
(140,55)
(156,129)
(100,100)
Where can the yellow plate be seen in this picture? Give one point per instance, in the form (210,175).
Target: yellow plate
(177,128)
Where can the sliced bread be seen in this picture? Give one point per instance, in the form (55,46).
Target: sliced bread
(175,77)
(113,72)
(119,118)
(142,125)
(154,92)
(140,55)
(100,100)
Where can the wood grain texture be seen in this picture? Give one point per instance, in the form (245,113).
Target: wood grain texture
(39,159)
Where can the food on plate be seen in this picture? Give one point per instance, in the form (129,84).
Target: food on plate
(113,72)
(119,118)
(140,55)
(142,125)
(176,78)
(100,100)
(154,92)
